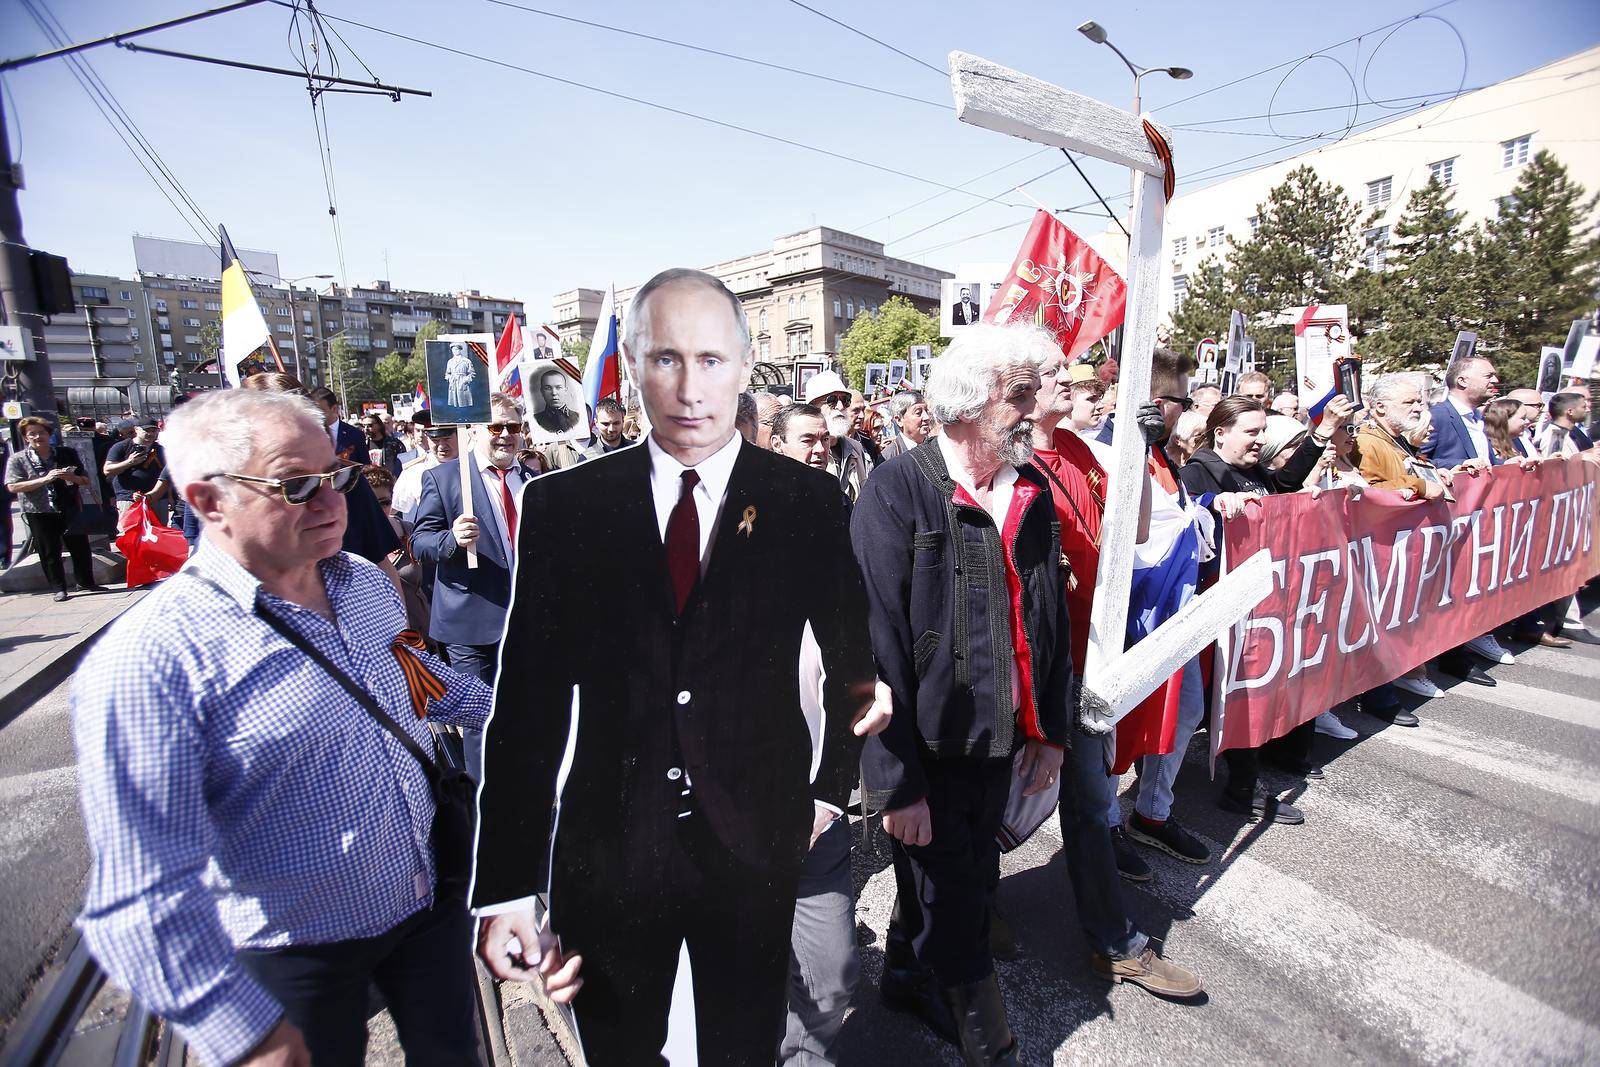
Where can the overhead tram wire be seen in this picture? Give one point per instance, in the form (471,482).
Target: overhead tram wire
(862,33)
(167,185)
(654,105)
(963,185)
(717,52)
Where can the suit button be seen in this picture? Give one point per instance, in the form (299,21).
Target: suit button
(673,774)
(683,697)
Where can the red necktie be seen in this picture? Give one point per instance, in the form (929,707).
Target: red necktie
(510,506)
(683,541)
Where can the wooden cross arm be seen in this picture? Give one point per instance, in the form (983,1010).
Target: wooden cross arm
(1115,691)
(1010,102)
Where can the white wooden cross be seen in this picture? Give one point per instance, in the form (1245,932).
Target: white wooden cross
(1004,100)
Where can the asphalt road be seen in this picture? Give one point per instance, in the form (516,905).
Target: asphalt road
(43,856)
(1441,904)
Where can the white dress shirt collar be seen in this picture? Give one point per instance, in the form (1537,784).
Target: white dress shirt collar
(1005,480)
(714,471)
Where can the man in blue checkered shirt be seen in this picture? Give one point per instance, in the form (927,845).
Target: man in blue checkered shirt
(261,844)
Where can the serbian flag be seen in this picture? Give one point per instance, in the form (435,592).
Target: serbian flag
(602,376)
(1060,283)
(244,328)
(508,359)
(419,401)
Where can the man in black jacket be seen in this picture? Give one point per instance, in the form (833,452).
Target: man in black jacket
(691,799)
(959,548)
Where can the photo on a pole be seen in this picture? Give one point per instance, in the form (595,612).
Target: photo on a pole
(459,379)
(555,404)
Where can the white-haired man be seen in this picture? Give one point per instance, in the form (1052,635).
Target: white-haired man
(694,795)
(910,414)
(261,841)
(847,460)
(970,630)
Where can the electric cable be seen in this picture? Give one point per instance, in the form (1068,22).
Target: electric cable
(862,33)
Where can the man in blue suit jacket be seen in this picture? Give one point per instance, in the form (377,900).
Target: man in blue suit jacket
(469,604)
(1458,434)
(349,443)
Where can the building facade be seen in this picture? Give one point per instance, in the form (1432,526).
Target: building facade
(801,295)
(1476,145)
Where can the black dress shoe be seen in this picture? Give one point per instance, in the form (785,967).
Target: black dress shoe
(1262,805)
(1298,767)
(911,989)
(980,1013)
(1402,717)
(1468,671)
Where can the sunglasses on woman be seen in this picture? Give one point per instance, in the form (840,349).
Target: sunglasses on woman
(300,488)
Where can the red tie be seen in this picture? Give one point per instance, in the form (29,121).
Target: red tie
(510,506)
(683,541)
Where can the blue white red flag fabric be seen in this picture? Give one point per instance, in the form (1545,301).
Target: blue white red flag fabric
(420,401)
(508,359)
(1062,284)
(602,376)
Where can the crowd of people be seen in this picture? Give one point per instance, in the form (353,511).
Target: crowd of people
(673,669)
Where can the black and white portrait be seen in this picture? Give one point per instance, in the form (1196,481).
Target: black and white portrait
(555,408)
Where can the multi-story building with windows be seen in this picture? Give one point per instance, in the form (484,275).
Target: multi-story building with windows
(1476,145)
(801,296)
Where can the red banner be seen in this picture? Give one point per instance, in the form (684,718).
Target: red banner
(1367,588)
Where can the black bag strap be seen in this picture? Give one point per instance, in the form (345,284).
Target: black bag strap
(1040,464)
(364,698)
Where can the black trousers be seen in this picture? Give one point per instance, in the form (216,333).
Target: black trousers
(49,532)
(735,920)
(1244,764)
(942,888)
(423,968)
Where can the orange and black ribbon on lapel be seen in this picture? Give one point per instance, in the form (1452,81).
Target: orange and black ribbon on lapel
(421,682)
(1163,151)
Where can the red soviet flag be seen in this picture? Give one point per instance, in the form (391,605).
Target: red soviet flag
(1059,282)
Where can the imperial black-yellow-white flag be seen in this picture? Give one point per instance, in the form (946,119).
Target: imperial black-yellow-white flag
(244,328)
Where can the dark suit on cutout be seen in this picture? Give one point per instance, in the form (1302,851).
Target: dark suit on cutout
(712,692)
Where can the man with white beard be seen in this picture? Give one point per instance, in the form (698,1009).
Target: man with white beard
(846,459)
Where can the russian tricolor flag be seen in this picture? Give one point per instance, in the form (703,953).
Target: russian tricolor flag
(602,375)
(508,359)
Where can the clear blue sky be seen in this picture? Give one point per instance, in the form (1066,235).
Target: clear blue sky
(522,186)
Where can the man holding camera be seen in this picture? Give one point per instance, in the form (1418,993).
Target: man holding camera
(135,465)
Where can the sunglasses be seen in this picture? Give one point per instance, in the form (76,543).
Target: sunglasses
(302,487)
(1184,402)
(834,400)
(497,428)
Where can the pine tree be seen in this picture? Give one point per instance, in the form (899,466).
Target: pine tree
(1426,295)
(1303,252)
(1207,307)
(1537,267)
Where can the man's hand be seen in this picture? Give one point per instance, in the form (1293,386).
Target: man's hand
(910,825)
(874,718)
(502,941)
(282,1047)
(1471,465)
(821,819)
(1431,490)
(1338,412)
(61,474)
(1152,423)
(1447,476)
(1233,504)
(1043,762)
(465,530)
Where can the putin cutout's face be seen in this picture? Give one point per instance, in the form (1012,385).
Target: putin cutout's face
(691,367)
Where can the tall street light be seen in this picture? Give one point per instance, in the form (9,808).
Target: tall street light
(1097,33)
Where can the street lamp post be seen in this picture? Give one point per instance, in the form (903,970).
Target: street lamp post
(1097,33)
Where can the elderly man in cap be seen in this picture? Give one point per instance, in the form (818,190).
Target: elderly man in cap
(257,785)
(847,460)
(135,465)
(970,631)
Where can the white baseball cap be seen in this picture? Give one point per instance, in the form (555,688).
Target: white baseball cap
(824,383)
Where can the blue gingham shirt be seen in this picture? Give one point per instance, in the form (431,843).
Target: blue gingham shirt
(236,796)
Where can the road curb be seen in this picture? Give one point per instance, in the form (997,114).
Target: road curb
(39,680)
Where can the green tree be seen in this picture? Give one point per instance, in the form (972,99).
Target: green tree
(210,340)
(345,375)
(1537,267)
(1207,307)
(887,335)
(1303,251)
(576,349)
(1426,294)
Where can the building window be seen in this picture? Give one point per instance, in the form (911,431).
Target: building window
(163,323)
(191,322)
(1504,204)
(804,340)
(1180,246)
(189,305)
(190,339)
(1514,153)
(1214,237)
(126,295)
(838,308)
(849,309)
(161,305)
(93,292)
(213,305)
(166,340)
(766,347)
(763,320)
(1444,171)
(1180,291)
(1255,223)
(802,305)
(1380,192)
(791,307)
(1377,250)
(377,342)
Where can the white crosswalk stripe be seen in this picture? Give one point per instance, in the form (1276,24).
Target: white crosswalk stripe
(1440,905)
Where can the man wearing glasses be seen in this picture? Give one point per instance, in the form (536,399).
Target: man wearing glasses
(438,445)
(469,603)
(847,460)
(261,841)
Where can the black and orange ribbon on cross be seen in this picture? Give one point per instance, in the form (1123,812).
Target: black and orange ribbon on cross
(421,682)
(1163,151)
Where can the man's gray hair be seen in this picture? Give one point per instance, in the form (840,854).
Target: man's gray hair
(633,335)
(1386,387)
(963,379)
(901,403)
(217,432)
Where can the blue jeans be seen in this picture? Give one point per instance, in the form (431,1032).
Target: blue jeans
(822,952)
(1086,843)
(1158,773)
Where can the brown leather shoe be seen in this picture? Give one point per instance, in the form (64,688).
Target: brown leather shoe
(1549,640)
(1159,976)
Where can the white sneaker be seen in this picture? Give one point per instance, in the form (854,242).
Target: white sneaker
(1328,723)
(1490,649)
(1422,687)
